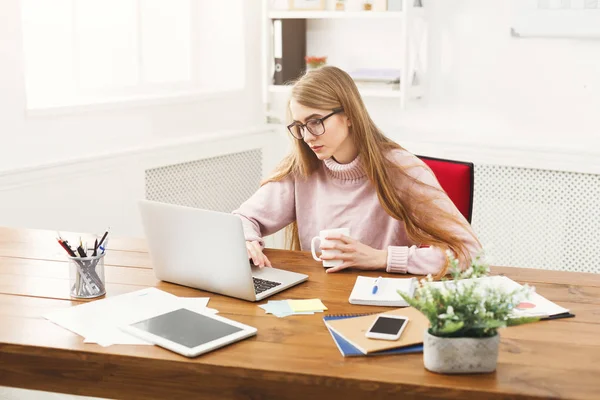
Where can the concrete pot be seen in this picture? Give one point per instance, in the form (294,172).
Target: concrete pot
(460,355)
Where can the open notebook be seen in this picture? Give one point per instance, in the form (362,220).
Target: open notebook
(386,295)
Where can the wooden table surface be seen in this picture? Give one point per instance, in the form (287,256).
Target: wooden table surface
(289,358)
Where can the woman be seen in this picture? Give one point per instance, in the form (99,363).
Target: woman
(343,172)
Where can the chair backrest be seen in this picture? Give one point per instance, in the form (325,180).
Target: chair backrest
(456,178)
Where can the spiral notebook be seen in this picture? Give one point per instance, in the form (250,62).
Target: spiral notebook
(387,295)
(348,350)
(353,331)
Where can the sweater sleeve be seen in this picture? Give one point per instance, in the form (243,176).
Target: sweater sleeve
(268,210)
(419,260)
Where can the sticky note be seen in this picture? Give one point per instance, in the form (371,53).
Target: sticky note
(277,307)
(307,305)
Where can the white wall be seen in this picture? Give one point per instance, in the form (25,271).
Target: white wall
(491,98)
(83,170)
(508,98)
(29,141)
(88,196)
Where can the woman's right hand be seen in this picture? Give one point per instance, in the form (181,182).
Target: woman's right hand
(255,253)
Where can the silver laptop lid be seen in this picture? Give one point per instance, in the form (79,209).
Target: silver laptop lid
(198,248)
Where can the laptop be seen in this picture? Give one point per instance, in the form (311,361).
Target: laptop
(206,250)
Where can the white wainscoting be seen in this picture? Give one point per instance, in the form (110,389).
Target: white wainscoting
(91,194)
(539,211)
(534,206)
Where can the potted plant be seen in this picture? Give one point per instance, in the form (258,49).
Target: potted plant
(465,315)
(313,62)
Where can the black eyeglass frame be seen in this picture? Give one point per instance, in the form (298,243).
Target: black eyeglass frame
(304,126)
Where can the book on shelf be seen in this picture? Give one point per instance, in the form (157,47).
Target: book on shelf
(376,75)
(378,86)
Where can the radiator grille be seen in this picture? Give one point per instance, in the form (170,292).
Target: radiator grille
(218,183)
(537,218)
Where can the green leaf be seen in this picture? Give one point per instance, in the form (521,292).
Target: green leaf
(521,320)
(490,324)
(450,327)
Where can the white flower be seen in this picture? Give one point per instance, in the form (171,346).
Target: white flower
(450,310)
(444,292)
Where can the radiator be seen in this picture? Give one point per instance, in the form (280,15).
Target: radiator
(523,217)
(538,218)
(219,183)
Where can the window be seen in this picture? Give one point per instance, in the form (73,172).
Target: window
(90,51)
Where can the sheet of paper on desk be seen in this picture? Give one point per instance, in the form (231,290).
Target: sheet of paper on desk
(535,306)
(98,321)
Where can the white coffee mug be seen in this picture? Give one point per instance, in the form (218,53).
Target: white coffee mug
(321,238)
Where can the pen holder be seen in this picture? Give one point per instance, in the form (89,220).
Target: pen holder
(86,277)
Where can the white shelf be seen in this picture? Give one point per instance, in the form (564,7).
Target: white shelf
(279,89)
(365,92)
(387,93)
(334,14)
(410,29)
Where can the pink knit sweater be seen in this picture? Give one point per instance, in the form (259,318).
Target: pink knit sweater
(340,195)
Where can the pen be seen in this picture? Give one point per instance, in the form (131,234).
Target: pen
(376,285)
(65,246)
(81,252)
(103,237)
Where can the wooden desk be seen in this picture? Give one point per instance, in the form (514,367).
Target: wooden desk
(291,357)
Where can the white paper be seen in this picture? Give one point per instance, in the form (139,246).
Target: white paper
(99,321)
(197,304)
(540,306)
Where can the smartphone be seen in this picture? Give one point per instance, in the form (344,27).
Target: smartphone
(387,327)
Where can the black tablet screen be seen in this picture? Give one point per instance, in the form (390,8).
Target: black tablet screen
(186,327)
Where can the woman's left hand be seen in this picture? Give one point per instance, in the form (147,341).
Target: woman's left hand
(353,254)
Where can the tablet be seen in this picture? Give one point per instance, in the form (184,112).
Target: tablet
(189,333)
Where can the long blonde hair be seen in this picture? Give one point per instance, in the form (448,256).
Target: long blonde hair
(328,88)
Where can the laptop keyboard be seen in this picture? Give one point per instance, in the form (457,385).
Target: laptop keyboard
(260,285)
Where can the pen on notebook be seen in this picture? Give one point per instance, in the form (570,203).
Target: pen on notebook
(376,285)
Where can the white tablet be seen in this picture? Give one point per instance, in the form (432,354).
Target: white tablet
(189,333)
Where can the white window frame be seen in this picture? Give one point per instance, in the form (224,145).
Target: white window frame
(142,94)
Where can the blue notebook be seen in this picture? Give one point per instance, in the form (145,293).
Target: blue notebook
(349,350)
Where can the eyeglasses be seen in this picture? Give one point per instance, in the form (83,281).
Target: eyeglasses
(315,126)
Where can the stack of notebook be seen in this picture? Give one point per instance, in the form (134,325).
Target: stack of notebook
(348,332)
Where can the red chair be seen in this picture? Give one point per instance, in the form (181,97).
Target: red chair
(456,178)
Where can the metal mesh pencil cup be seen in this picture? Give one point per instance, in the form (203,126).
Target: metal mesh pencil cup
(86,277)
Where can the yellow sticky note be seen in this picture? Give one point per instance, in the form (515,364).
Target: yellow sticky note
(307,305)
